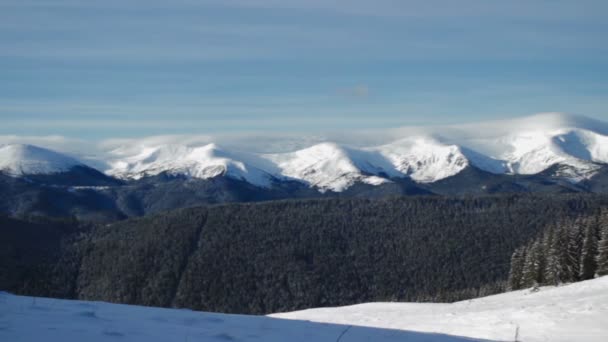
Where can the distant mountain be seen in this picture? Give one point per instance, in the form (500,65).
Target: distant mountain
(20,160)
(576,147)
(43,166)
(542,153)
(202,162)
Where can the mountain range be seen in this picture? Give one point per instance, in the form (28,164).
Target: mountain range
(542,153)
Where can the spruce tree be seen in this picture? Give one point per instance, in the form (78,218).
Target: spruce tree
(552,267)
(563,261)
(588,263)
(533,266)
(517,267)
(575,247)
(602,257)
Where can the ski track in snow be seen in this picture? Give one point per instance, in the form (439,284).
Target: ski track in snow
(574,313)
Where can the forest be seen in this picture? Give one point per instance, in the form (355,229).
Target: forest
(287,255)
(567,251)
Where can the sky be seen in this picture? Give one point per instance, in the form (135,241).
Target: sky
(116,68)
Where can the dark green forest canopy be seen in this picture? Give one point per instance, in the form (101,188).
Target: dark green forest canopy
(289,255)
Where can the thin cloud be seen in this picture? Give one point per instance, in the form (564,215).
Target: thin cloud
(360,91)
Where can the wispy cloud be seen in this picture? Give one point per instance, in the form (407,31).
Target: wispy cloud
(189,66)
(359,91)
(114,31)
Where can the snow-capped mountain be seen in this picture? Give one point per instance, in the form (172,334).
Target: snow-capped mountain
(203,162)
(423,159)
(575,147)
(561,146)
(20,159)
(328,166)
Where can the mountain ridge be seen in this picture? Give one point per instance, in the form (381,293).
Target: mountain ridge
(574,146)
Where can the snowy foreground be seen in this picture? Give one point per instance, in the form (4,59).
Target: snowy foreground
(574,313)
(577,312)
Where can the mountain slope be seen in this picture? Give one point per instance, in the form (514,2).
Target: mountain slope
(19,160)
(575,312)
(45,319)
(547,152)
(202,162)
(424,160)
(41,166)
(574,147)
(327,166)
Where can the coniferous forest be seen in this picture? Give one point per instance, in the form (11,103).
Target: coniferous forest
(567,251)
(288,255)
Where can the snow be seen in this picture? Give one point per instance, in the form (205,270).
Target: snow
(21,159)
(203,162)
(28,319)
(531,152)
(575,312)
(325,166)
(529,145)
(424,159)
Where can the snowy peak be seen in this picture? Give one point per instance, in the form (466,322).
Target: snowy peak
(532,152)
(424,159)
(571,147)
(203,162)
(582,144)
(19,160)
(326,166)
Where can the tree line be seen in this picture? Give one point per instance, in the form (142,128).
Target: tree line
(568,251)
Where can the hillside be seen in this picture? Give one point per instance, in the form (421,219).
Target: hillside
(576,312)
(289,255)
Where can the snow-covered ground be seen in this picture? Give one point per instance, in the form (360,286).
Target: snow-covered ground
(44,319)
(574,313)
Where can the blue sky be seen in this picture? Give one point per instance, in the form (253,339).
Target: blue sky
(100,69)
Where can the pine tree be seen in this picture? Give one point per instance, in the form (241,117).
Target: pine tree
(588,263)
(517,267)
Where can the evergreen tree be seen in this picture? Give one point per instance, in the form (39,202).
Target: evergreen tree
(517,266)
(552,267)
(602,257)
(562,261)
(533,266)
(588,263)
(575,247)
